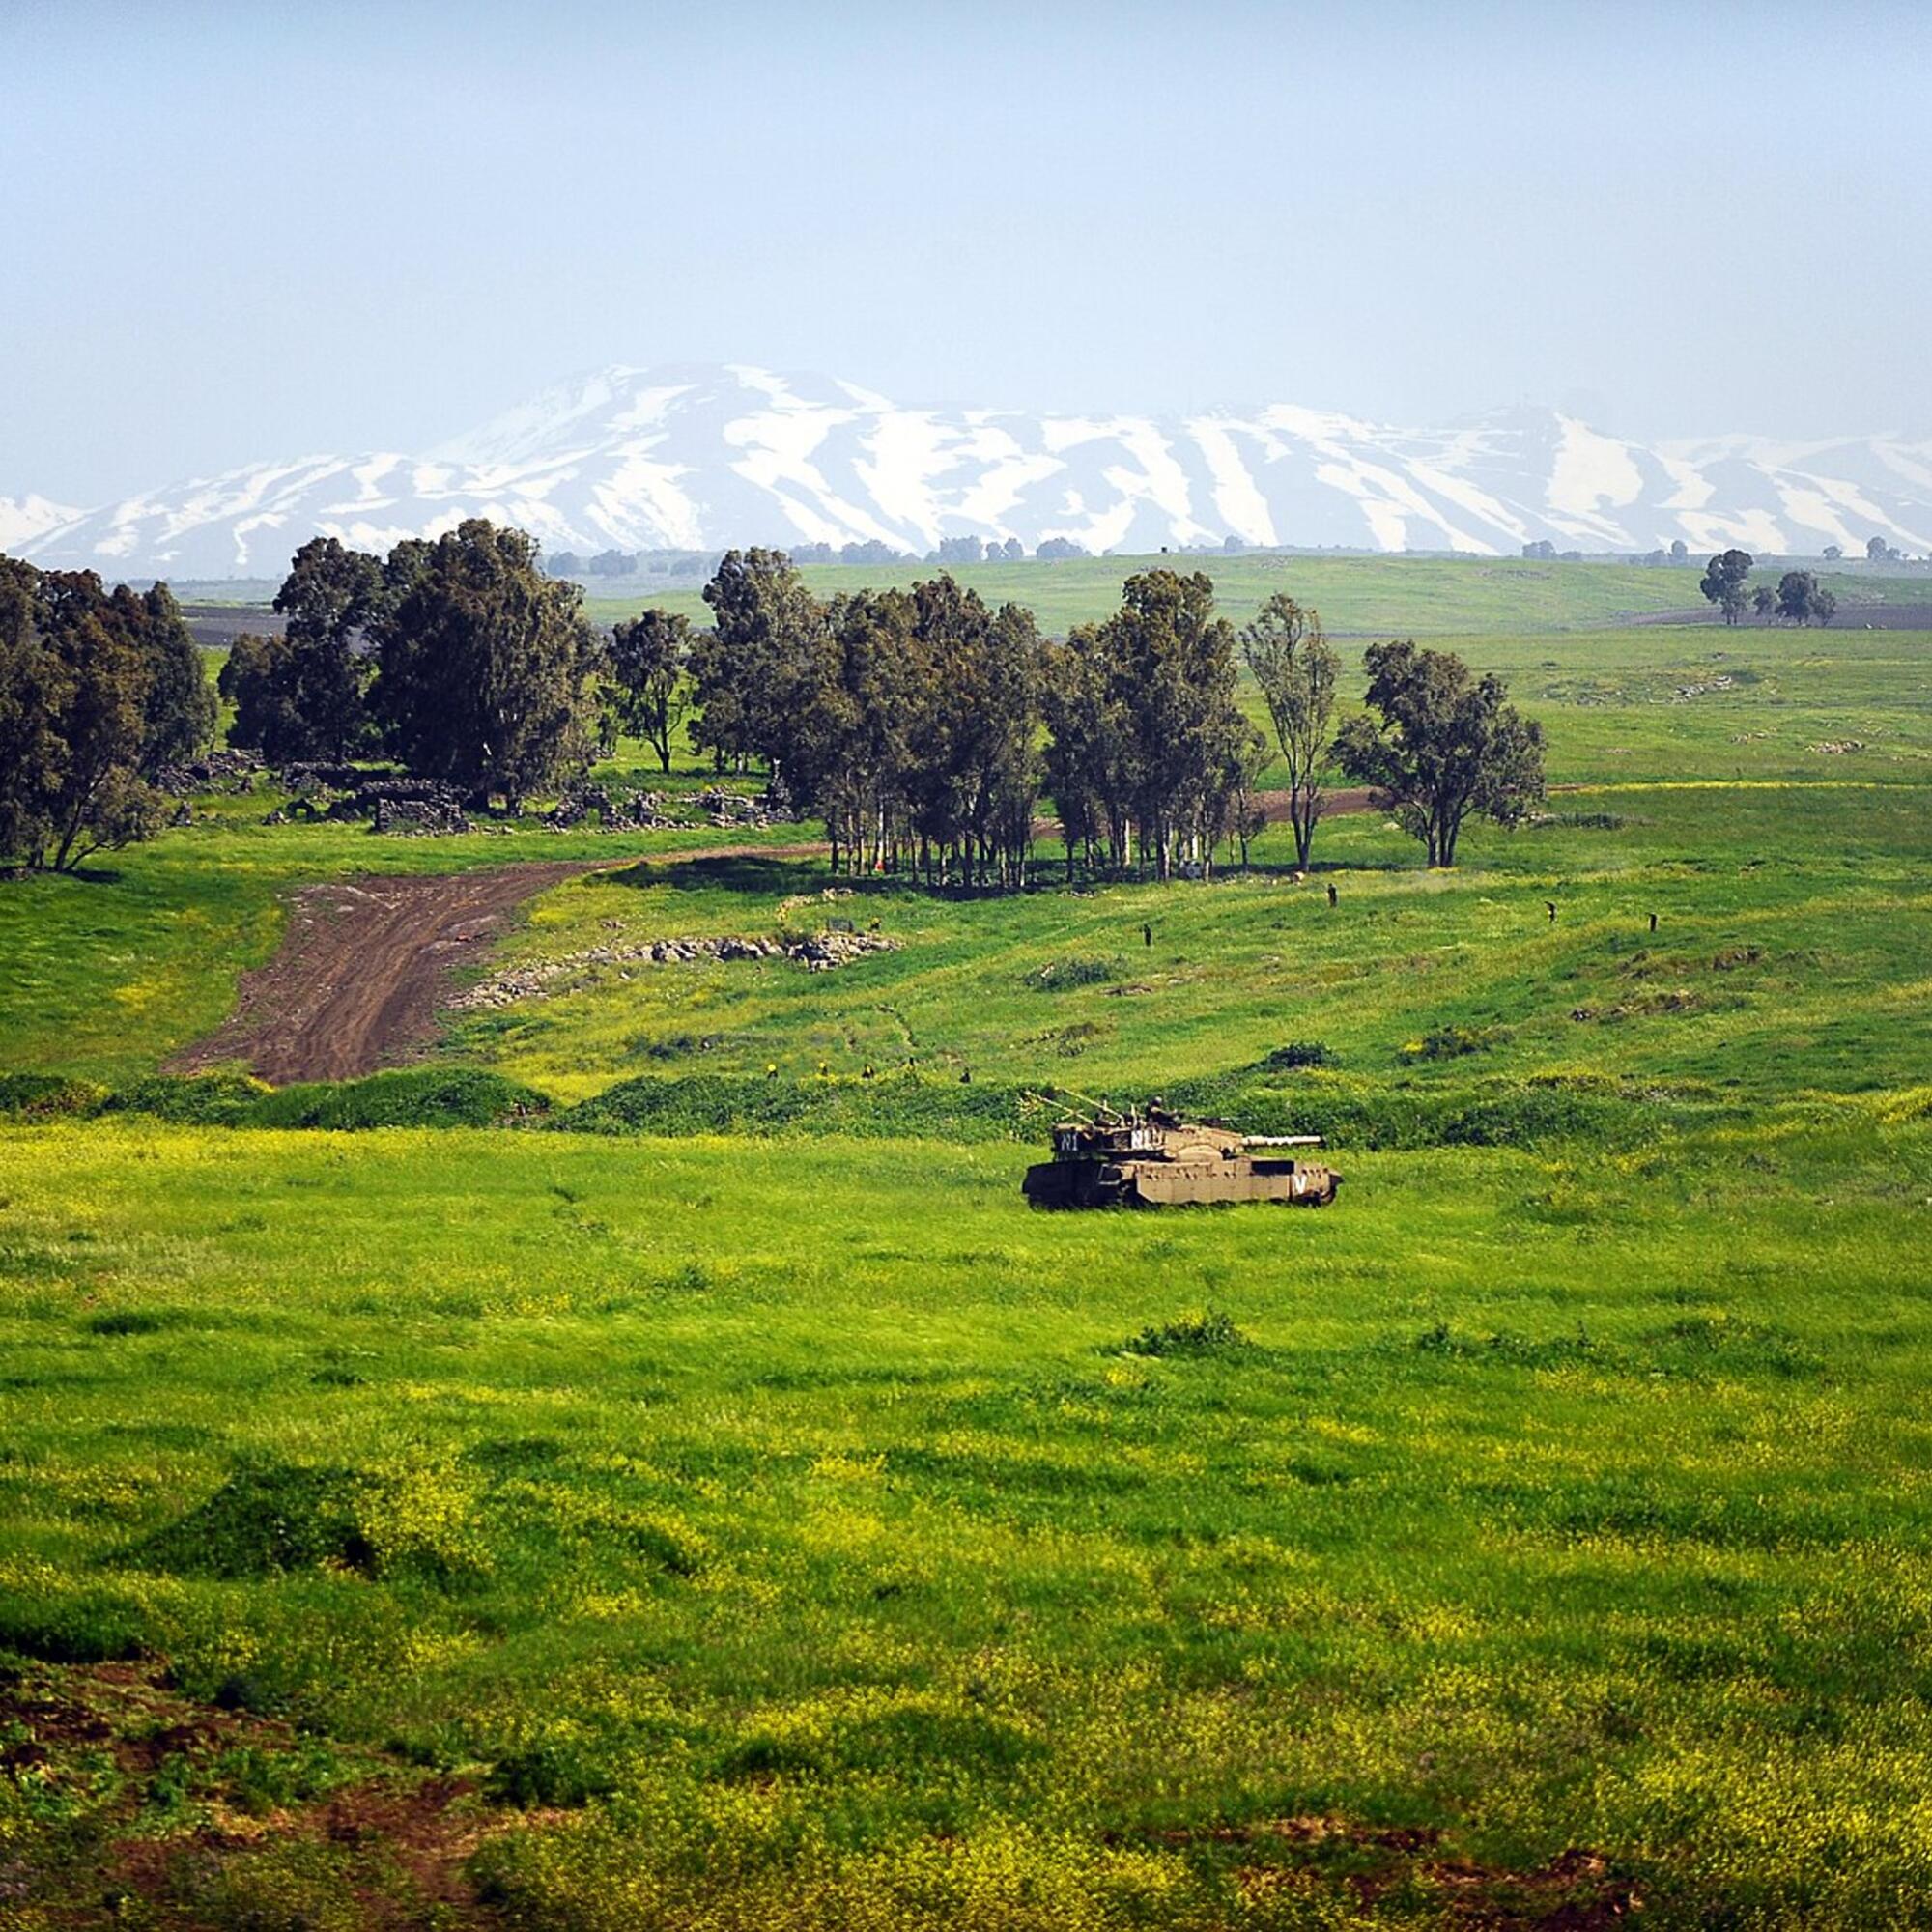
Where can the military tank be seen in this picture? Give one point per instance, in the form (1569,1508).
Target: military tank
(1151,1157)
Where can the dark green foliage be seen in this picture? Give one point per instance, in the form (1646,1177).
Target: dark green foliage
(905,719)
(83,1627)
(1295,668)
(1214,1333)
(45,1096)
(488,667)
(1147,744)
(1299,1053)
(562,1773)
(648,660)
(1800,600)
(200,1100)
(751,670)
(79,671)
(179,711)
(305,694)
(1452,1042)
(1528,1113)
(268,1518)
(1725,582)
(134,1322)
(742,1104)
(1066,975)
(1446,744)
(410,1097)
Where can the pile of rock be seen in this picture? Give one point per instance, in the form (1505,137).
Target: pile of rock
(816,952)
(219,771)
(821,951)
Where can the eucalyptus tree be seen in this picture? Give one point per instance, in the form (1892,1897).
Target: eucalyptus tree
(1295,668)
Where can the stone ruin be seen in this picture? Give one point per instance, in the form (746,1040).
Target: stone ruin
(731,811)
(636,811)
(439,816)
(219,771)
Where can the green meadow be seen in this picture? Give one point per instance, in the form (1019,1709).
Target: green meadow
(1358,596)
(719,1502)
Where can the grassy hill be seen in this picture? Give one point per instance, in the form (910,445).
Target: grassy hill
(539,1528)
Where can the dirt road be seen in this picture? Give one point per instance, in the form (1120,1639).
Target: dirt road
(364,965)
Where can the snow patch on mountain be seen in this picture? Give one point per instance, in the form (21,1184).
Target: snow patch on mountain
(22,519)
(700,457)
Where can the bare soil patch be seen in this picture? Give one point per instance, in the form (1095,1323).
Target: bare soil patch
(365,964)
(362,967)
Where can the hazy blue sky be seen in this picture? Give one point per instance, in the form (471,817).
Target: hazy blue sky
(243,229)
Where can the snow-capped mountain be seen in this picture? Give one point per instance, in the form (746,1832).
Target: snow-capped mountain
(22,519)
(641,459)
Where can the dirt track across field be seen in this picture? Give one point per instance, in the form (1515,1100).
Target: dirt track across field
(365,962)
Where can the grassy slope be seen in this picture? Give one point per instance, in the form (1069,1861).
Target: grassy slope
(1773,969)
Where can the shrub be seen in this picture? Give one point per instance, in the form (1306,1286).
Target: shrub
(85,1628)
(194,1099)
(1298,1053)
(552,1772)
(137,1320)
(412,1098)
(46,1096)
(1212,1333)
(1495,1112)
(1064,976)
(728,1103)
(1453,1042)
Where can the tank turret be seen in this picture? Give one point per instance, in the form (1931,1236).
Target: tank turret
(1152,1157)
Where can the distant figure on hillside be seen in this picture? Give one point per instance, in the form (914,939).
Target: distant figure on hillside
(824,1071)
(1551,904)
(1653,921)
(1146,935)
(965,1076)
(1332,895)
(771,1070)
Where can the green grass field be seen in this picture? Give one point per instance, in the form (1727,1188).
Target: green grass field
(786,1528)
(1358,596)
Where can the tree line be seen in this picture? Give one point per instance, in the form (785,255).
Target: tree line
(923,726)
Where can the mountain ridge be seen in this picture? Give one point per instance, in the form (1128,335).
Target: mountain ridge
(697,456)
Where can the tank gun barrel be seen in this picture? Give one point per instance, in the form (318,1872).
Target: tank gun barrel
(1099,1107)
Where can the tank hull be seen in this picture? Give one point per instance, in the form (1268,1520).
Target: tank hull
(1167,1184)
